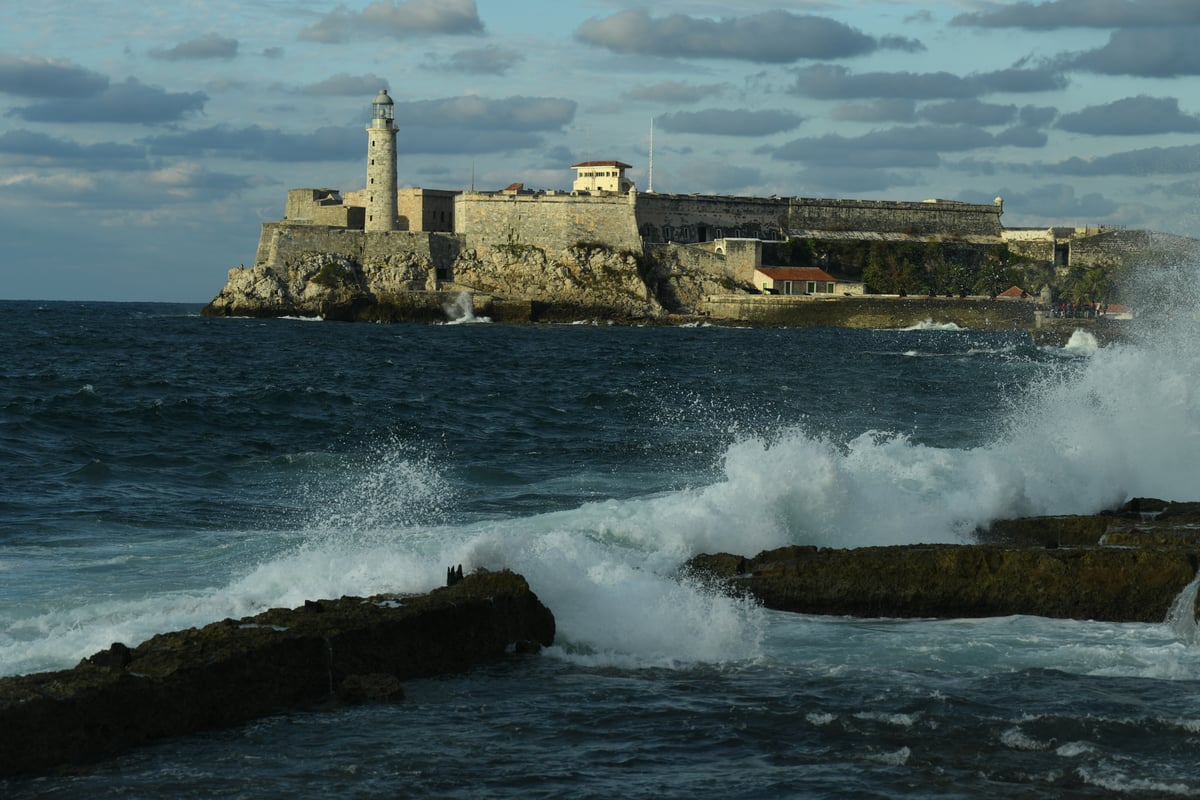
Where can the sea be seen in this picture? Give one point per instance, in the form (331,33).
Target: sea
(161,470)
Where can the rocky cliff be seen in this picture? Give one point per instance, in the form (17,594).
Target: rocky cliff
(523,282)
(331,651)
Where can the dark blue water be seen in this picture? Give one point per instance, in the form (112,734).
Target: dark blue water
(161,470)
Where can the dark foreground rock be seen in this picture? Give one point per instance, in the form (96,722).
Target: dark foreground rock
(1123,566)
(330,651)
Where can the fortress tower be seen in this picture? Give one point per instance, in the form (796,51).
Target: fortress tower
(381,165)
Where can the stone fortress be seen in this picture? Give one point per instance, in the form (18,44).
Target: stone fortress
(603,248)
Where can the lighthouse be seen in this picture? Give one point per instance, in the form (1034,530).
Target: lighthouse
(381,165)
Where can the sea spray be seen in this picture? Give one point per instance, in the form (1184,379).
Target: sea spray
(460,310)
(1181,617)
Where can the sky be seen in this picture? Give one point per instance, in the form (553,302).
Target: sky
(142,145)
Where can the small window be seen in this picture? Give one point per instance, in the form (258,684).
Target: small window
(812,287)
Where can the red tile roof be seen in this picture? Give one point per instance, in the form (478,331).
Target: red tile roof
(1013,291)
(796,274)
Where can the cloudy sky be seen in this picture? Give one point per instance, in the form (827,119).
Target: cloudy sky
(143,144)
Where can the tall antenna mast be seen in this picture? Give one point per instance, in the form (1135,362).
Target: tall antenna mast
(650,188)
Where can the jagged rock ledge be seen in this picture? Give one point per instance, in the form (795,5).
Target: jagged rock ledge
(330,651)
(1123,566)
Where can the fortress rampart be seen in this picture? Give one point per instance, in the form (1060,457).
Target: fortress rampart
(282,243)
(629,222)
(701,218)
(552,222)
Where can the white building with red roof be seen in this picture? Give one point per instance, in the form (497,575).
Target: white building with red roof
(801,280)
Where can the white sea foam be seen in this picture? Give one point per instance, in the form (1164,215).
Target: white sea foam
(928,324)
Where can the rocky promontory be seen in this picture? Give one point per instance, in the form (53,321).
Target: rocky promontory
(348,650)
(1127,565)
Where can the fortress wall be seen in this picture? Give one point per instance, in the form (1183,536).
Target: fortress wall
(282,243)
(703,218)
(425,209)
(698,218)
(742,257)
(1041,252)
(552,222)
(884,216)
(870,311)
(1111,248)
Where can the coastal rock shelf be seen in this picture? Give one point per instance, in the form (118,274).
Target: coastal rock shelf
(1124,566)
(347,650)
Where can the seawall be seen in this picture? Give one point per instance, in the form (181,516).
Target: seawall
(347,650)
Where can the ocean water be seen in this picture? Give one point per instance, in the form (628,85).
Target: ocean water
(160,470)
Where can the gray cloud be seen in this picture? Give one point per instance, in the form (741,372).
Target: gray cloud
(773,37)
(1150,53)
(904,146)
(47,77)
(479,113)
(265,144)
(675,92)
(1037,116)
(345,85)
(1021,136)
(1045,78)
(1085,14)
(840,181)
(834,82)
(1147,161)
(481,61)
(729,122)
(884,110)
(1131,116)
(50,150)
(402,19)
(210,45)
(463,125)
(969,112)
(128,102)
(1048,203)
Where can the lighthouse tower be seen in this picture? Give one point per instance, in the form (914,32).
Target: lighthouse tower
(381,165)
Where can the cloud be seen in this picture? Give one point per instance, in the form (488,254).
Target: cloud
(729,122)
(45,150)
(1037,116)
(773,37)
(675,92)
(1085,14)
(826,181)
(474,112)
(461,125)
(404,19)
(1149,53)
(969,112)
(883,110)
(189,180)
(834,82)
(481,61)
(1048,202)
(47,77)
(1131,116)
(904,146)
(345,85)
(1021,136)
(1147,161)
(128,102)
(210,45)
(262,144)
